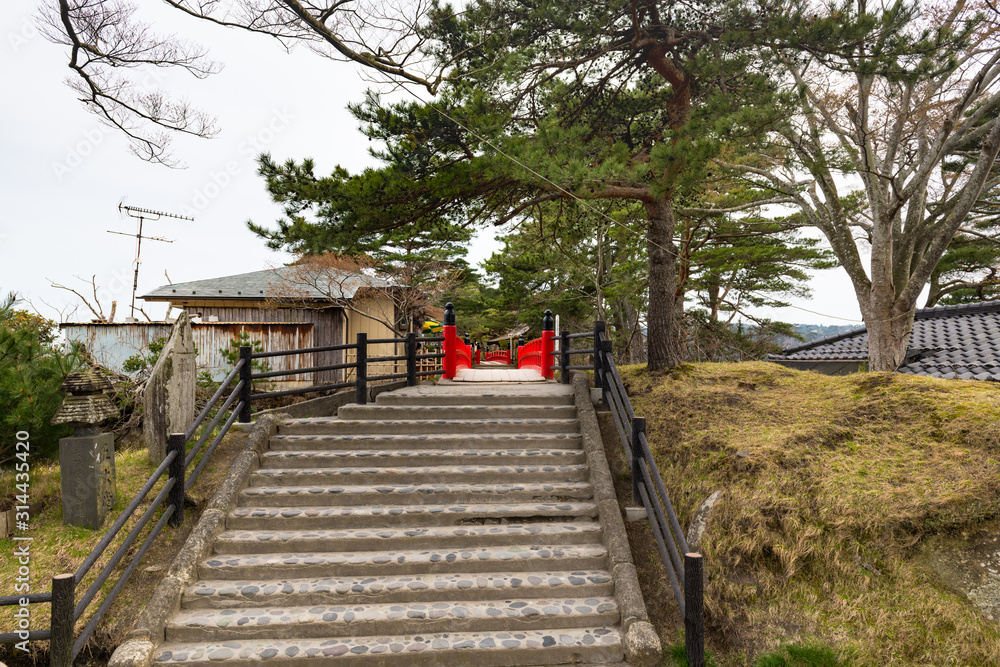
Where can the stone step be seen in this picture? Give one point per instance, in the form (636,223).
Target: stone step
(414,457)
(441,474)
(417,494)
(221,594)
(390,618)
(384,412)
(407,398)
(334,426)
(452,441)
(282,540)
(447,649)
(529,558)
(251,518)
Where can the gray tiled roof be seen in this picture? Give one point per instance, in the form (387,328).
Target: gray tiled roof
(947,342)
(270,282)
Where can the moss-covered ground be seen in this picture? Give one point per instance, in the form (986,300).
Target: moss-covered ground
(830,485)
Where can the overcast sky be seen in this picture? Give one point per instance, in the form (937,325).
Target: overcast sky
(64,174)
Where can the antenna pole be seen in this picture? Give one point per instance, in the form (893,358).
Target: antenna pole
(135,279)
(141,214)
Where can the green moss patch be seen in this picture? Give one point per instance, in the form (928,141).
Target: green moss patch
(830,487)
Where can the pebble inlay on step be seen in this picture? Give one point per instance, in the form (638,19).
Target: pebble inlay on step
(476,440)
(417,475)
(415,493)
(529,557)
(428,649)
(392,618)
(426,426)
(398,515)
(321,459)
(257,541)
(216,593)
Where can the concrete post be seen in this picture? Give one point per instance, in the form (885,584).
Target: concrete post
(168,400)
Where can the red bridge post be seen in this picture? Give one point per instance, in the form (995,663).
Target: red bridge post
(450,343)
(548,344)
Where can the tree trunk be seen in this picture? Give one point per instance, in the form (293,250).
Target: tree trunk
(889,323)
(664,339)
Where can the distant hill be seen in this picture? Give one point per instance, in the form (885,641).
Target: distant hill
(813,332)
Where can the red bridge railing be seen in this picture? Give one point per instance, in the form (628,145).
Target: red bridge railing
(538,353)
(457,353)
(498,356)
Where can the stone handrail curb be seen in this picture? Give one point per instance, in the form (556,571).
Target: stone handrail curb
(138,648)
(642,644)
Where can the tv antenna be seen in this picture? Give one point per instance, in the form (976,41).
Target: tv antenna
(143,214)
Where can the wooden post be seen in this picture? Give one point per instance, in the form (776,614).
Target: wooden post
(638,428)
(694,603)
(411,359)
(361,374)
(564,357)
(176,443)
(245,372)
(61,621)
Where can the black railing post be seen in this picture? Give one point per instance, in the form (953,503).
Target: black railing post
(245,371)
(61,622)
(564,356)
(694,602)
(598,333)
(638,428)
(176,443)
(411,359)
(361,375)
(605,356)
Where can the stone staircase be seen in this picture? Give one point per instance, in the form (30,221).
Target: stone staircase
(427,529)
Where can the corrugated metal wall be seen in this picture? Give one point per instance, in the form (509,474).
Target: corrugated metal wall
(111,344)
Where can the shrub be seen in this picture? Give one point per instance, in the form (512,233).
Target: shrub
(32,367)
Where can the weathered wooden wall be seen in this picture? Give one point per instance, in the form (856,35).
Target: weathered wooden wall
(327,329)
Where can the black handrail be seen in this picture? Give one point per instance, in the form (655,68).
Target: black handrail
(230,398)
(66,609)
(360,366)
(684,569)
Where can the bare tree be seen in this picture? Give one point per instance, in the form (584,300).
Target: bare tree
(114,56)
(353,283)
(93,303)
(898,129)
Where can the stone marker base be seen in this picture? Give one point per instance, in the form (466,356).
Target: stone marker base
(89,490)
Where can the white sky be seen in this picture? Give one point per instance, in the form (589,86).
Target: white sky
(63,173)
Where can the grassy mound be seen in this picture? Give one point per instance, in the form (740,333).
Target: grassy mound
(830,485)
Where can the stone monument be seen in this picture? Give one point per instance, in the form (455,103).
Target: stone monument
(87,459)
(168,399)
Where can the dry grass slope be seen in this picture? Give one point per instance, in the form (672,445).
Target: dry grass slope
(830,484)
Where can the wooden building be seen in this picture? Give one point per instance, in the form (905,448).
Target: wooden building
(334,309)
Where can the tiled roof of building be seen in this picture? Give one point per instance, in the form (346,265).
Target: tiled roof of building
(947,342)
(258,285)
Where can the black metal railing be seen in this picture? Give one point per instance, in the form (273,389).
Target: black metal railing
(233,397)
(66,609)
(412,357)
(685,570)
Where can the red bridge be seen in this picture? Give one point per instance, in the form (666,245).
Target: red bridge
(533,360)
